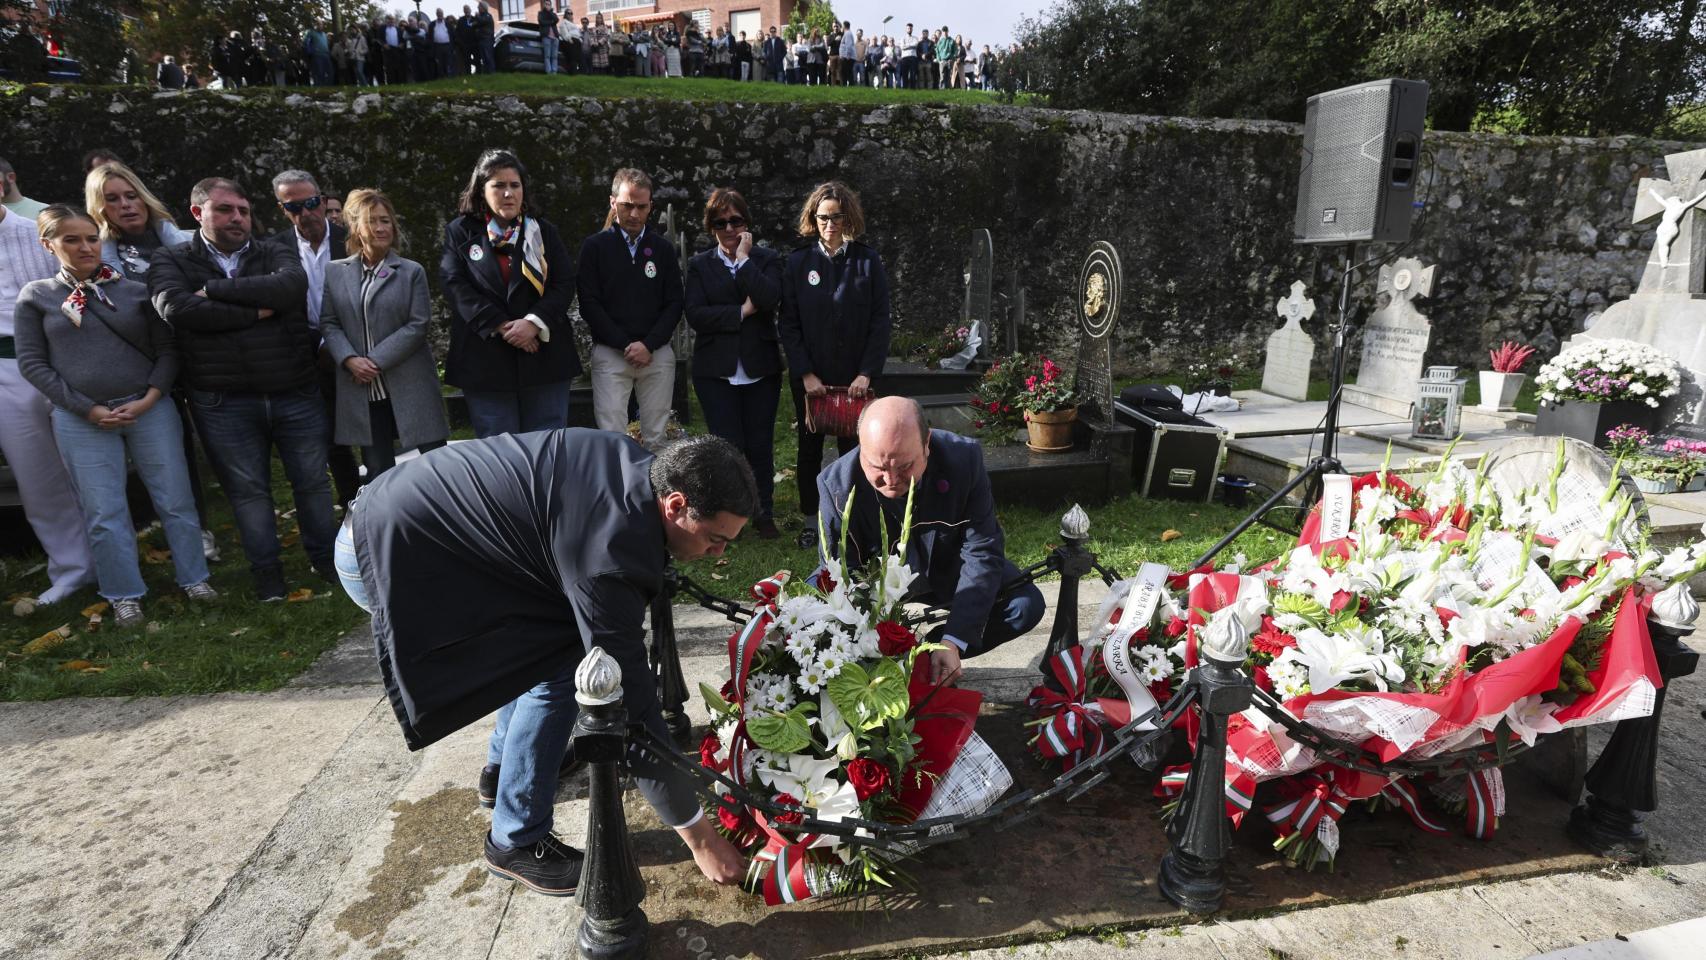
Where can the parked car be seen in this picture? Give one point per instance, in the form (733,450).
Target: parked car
(59,69)
(520,48)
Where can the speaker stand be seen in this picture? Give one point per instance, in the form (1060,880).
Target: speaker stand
(1309,479)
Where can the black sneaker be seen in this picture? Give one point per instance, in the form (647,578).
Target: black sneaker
(808,538)
(549,866)
(489,777)
(269,584)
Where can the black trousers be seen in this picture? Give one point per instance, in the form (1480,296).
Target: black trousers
(809,463)
(345,478)
(746,417)
(381,455)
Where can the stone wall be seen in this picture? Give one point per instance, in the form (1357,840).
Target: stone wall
(1532,234)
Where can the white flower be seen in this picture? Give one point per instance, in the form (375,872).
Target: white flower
(808,780)
(1532,716)
(897,578)
(811,677)
(1578,545)
(1155,669)
(802,647)
(1335,658)
(1289,676)
(829,665)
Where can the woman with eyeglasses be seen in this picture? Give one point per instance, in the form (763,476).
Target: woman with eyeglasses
(834,325)
(375,316)
(732,293)
(91,342)
(510,282)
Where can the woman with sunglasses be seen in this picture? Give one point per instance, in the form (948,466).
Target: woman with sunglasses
(90,341)
(510,282)
(732,292)
(834,325)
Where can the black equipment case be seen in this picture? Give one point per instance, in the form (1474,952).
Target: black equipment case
(1174,455)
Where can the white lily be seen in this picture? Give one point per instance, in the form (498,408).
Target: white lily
(839,805)
(1578,545)
(897,578)
(1532,716)
(800,776)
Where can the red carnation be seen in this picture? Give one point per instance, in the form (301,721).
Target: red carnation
(868,777)
(1271,640)
(728,690)
(894,639)
(708,748)
(730,814)
(1176,627)
(788,816)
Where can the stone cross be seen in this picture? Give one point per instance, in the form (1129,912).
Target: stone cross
(1677,265)
(1099,286)
(1290,348)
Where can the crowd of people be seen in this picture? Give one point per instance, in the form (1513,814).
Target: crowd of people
(416,48)
(122,332)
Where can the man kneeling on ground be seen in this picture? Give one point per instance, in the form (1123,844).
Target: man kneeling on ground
(492,566)
(956,542)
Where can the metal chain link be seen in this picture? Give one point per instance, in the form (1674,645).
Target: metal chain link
(1341,753)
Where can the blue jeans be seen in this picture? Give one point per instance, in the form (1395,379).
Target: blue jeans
(1015,613)
(529,739)
(349,568)
(239,431)
(96,461)
(551,54)
(746,417)
(496,412)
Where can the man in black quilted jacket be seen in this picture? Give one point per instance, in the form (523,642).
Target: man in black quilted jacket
(237,306)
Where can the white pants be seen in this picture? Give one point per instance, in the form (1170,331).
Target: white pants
(50,503)
(614,379)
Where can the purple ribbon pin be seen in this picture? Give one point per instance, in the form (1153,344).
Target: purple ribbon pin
(942,485)
(384,273)
(647,251)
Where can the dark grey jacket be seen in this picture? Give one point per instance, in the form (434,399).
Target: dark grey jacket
(222,340)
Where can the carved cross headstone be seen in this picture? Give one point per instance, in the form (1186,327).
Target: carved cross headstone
(1290,348)
(979,309)
(1677,264)
(1099,286)
(1395,340)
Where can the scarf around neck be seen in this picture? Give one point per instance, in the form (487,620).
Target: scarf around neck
(533,265)
(78,303)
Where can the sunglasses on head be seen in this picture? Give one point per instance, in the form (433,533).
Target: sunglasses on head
(297,206)
(735,222)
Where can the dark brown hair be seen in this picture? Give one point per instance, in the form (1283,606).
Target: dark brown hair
(55,216)
(853,215)
(473,199)
(635,179)
(724,198)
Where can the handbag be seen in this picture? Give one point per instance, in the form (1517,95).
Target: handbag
(835,413)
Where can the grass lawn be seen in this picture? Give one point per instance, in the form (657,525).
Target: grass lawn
(689,88)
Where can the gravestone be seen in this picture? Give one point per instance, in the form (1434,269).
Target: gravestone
(1290,348)
(1015,316)
(1394,341)
(980,277)
(682,340)
(1667,310)
(1099,286)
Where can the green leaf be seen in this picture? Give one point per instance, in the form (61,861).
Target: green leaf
(867,698)
(781,732)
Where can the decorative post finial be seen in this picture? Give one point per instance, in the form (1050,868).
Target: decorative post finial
(598,680)
(1075,525)
(1676,608)
(1226,641)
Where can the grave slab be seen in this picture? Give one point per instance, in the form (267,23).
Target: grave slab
(1264,415)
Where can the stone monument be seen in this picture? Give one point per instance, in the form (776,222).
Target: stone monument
(1394,341)
(1668,309)
(977,309)
(1099,286)
(1290,348)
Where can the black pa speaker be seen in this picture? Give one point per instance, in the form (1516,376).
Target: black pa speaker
(1361,155)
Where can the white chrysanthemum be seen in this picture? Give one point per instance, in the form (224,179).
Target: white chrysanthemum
(812,678)
(802,647)
(829,665)
(1289,676)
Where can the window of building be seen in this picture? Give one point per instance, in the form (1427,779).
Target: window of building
(605,6)
(515,9)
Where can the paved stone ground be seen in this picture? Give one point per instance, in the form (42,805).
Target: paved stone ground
(295,824)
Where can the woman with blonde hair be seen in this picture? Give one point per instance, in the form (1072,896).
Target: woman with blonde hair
(91,342)
(834,324)
(133,222)
(374,317)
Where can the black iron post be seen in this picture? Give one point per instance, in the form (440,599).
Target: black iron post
(613,927)
(666,661)
(1074,561)
(1193,872)
(1623,783)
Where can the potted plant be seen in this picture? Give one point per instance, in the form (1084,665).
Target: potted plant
(997,413)
(1595,384)
(1213,372)
(1500,385)
(1050,407)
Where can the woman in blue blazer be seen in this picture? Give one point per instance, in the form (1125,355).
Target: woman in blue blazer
(510,282)
(834,325)
(732,293)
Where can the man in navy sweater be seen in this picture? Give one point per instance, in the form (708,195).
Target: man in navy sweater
(631,299)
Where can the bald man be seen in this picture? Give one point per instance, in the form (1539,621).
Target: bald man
(956,543)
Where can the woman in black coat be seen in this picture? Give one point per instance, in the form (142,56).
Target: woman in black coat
(732,292)
(834,325)
(510,282)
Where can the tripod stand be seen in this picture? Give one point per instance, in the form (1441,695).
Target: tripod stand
(1309,479)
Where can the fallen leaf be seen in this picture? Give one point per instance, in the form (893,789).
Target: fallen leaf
(95,623)
(290,539)
(24,607)
(147,666)
(153,627)
(75,665)
(49,640)
(96,609)
(156,555)
(93,669)
(718,576)
(285,655)
(239,631)
(723,562)
(297,596)
(1167,535)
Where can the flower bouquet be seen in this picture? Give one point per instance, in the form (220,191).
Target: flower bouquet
(995,401)
(1607,371)
(828,713)
(1456,616)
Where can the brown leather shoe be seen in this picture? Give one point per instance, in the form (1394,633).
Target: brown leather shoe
(766,528)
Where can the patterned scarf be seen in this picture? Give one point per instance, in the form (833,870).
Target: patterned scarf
(532,247)
(76,304)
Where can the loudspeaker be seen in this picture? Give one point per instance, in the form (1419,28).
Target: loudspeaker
(1361,152)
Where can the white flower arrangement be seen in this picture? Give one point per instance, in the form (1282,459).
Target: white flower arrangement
(1603,371)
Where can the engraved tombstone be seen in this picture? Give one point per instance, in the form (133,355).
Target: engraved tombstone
(1099,286)
(1395,341)
(980,278)
(1290,348)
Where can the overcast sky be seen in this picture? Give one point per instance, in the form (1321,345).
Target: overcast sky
(979,21)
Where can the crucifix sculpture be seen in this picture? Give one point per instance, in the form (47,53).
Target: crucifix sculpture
(1676,266)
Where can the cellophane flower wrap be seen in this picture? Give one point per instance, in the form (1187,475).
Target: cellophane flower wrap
(1409,620)
(829,710)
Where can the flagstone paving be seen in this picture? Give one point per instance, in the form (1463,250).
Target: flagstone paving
(295,824)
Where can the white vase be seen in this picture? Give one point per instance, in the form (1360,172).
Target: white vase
(1499,390)
(1648,485)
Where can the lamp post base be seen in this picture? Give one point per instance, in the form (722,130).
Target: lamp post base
(1197,885)
(1610,831)
(622,939)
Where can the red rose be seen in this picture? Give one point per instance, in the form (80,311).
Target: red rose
(728,690)
(1176,627)
(1262,679)
(868,777)
(894,639)
(790,816)
(708,748)
(1341,600)
(730,814)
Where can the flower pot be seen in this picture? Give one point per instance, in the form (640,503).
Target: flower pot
(1050,431)
(1648,485)
(1499,390)
(1698,483)
(1588,422)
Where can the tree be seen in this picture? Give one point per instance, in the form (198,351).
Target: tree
(94,34)
(190,27)
(809,15)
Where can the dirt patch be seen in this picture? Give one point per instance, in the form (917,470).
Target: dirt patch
(475,879)
(429,837)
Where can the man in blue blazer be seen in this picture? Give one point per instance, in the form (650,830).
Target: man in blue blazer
(956,543)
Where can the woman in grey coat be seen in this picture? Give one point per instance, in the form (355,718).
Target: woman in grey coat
(374,319)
